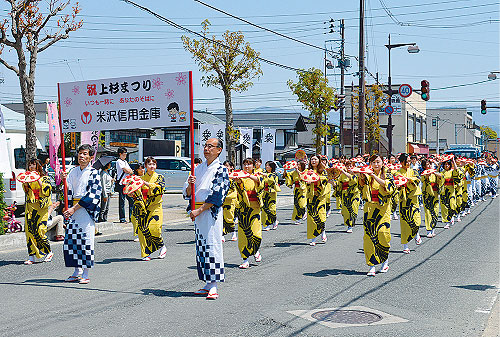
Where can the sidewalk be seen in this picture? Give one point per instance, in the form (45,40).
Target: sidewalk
(176,214)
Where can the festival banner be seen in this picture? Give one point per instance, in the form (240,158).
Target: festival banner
(92,138)
(268,145)
(5,167)
(246,136)
(207,131)
(148,101)
(54,139)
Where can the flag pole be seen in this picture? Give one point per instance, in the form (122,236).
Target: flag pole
(191,136)
(63,152)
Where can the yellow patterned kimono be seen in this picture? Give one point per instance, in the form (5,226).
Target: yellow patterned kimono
(292,180)
(409,208)
(249,224)
(349,193)
(394,197)
(328,195)
(448,195)
(147,214)
(316,207)
(228,209)
(269,193)
(430,195)
(38,200)
(377,219)
(459,189)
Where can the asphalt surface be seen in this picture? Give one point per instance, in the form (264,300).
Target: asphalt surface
(446,287)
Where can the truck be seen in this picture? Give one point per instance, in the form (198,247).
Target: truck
(464,150)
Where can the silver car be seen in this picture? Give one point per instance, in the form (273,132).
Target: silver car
(175,170)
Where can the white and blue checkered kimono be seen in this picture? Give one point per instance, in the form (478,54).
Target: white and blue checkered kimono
(212,185)
(492,172)
(478,169)
(85,186)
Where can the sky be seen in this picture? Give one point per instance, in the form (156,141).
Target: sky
(458,40)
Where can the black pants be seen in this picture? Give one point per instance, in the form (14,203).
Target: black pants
(121,206)
(103,214)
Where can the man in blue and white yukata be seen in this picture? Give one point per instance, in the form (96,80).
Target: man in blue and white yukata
(211,186)
(84,192)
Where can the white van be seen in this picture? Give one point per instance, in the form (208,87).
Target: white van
(16,145)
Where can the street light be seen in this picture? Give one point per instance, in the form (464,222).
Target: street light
(412,48)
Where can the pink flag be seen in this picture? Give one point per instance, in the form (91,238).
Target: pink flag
(54,139)
(92,138)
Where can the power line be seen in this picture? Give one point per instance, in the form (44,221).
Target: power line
(173,24)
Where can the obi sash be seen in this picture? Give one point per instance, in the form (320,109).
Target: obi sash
(252,195)
(375,196)
(345,185)
(448,181)
(434,186)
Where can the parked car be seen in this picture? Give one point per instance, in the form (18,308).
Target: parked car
(280,171)
(174,169)
(464,150)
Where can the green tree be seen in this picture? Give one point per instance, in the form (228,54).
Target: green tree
(313,92)
(230,64)
(26,34)
(489,133)
(374,104)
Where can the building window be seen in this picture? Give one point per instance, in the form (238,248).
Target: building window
(411,128)
(127,136)
(419,130)
(175,135)
(290,138)
(424,131)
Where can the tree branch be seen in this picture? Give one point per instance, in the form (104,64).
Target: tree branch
(14,69)
(50,15)
(54,40)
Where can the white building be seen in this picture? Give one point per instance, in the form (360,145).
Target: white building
(456,126)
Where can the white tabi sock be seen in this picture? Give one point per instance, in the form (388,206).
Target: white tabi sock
(32,258)
(78,271)
(85,273)
(405,246)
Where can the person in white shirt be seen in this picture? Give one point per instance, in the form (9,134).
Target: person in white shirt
(107,184)
(122,171)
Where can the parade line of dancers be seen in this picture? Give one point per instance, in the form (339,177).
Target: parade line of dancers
(242,204)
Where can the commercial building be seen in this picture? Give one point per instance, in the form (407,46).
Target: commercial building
(456,126)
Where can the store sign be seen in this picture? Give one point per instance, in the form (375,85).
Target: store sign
(148,101)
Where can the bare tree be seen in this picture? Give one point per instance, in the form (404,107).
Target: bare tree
(25,34)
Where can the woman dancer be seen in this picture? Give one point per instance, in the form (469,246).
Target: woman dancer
(430,192)
(229,206)
(316,202)
(348,188)
(292,180)
(38,200)
(148,212)
(269,192)
(377,188)
(139,171)
(394,197)
(409,208)
(447,193)
(249,204)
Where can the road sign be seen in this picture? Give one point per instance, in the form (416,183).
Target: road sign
(389,110)
(405,90)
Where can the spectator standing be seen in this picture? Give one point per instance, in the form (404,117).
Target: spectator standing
(107,184)
(122,170)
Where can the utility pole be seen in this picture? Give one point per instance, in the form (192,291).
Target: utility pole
(352,120)
(437,135)
(389,120)
(326,116)
(342,75)
(361,120)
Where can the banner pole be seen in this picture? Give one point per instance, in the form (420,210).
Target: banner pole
(191,136)
(63,152)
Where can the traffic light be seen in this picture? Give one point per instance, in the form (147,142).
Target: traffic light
(424,90)
(483,106)
(434,122)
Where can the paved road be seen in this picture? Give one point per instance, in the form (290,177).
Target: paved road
(445,287)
